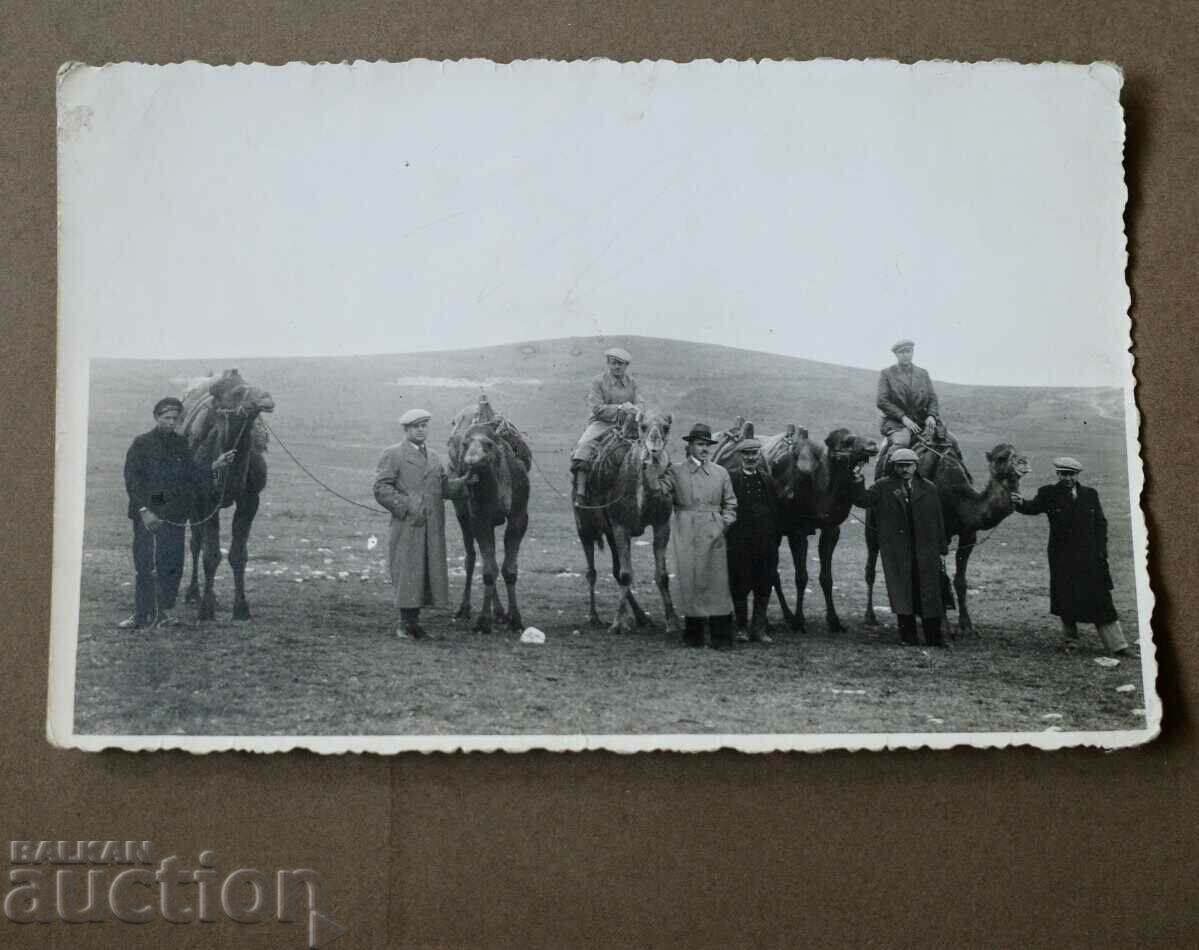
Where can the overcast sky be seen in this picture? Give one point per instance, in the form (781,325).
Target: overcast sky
(814,209)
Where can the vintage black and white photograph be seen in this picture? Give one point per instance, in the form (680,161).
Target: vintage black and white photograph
(467,405)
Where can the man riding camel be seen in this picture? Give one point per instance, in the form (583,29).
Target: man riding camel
(612,392)
(908,402)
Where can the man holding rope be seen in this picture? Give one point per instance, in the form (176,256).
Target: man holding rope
(161,479)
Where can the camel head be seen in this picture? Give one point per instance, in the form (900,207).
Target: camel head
(853,450)
(653,428)
(1007,465)
(232,395)
(478,447)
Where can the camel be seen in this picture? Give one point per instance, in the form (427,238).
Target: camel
(623,486)
(813,482)
(222,413)
(966,512)
(495,458)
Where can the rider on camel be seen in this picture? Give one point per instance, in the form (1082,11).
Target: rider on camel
(612,393)
(908,402)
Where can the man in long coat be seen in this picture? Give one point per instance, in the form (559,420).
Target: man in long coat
(411,483)
(611,393)
(911,541)
(1080,582)
(162,480)
(753,540)
(705,506)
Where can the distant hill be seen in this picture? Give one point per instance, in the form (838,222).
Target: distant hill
(354,401)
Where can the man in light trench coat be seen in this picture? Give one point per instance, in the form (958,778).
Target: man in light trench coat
(705,506)
(411,483)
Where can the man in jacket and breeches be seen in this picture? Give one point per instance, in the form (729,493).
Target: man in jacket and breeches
(753,540)
(611,393)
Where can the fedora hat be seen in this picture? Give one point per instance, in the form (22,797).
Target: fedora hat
(700,433)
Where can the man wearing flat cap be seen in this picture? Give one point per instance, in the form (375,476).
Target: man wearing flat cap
(161,480)
(411,483)
(1080,582)
(906,398)
(704,509)
(911,543)
(753,539)
(612,393)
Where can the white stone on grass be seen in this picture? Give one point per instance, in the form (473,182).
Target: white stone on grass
(532,635)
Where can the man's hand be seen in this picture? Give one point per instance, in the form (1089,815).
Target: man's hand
(910,424)
(1017,498)
(150,521)
(224,460)
(626,407)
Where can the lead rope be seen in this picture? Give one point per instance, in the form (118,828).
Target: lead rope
(304,469)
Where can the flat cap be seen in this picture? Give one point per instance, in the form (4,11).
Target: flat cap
(904,455)
(749,445)
(1067,464)
(902,345)
(413,416)
(167,402)
(619,353)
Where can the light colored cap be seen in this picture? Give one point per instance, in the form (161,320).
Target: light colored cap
(413,416)
(618,353)
(748,445)
(1067,464)
(904,455)
(902,345)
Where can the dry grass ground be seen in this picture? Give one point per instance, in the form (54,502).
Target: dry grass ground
(319,656)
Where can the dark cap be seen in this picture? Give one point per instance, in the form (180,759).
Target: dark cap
(167,402)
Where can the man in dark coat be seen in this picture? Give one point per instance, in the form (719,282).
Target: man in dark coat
(911,541)
(161,479)
(753,540)
(1080,582)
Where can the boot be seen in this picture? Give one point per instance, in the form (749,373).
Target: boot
(410,628)
(907,628)
(757,628)
(932,632)
(580,480)
(741,611)
(721,629)
(693,631)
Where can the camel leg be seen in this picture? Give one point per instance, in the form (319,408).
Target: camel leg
(828,544)
(798,542)
(243,519)
(662,575)
(513,535)
(468,545)
(961,558)
(622,559)
(212,558)
(587,539)
(485,538)
(788,616)
(871,568)
(197,543)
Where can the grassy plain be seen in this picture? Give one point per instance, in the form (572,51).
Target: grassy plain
(319,656)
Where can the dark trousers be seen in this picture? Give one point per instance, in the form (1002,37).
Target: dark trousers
(720,628)
(932,629)
(158,565)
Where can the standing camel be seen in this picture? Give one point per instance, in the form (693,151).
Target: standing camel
(966,513)
(221,414)
(625,501)
(813,483)
(495,459)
